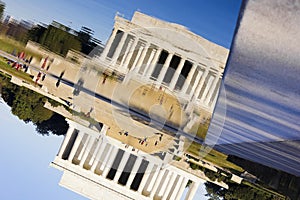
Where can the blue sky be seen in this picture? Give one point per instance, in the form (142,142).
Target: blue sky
(24,169)
(213,19)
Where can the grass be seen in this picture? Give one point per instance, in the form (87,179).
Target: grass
(9,45)
(13,72)
(213,156)
(200,130)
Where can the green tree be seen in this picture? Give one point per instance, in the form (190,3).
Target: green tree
(211,174)
(2,8)
(56,125)
(88,42)
(29,106)
(214,192)
(35,33)
(59,40)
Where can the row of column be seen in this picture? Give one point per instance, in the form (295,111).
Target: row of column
(138,64)
(94,153)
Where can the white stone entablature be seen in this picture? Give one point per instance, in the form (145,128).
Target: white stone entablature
(215,51)
(167,54)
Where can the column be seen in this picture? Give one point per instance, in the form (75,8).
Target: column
(110,161)
(119,48)
(176,188)
(153,178)
(189,79)
(106,156)
(164,68)
(143,55)
(177,74)
(98,154)
(192,191)
(145,177)
(130,53)
(154,62)
(163,188)
(196,83)
(212,89)
(200,85)
(208,86)
(84,148)
(66,141)
(75,146)
(181,188)
(149,61)
(157,182)
(134,170)
(109,43)
(213,103)
(130,43)
(87,150)
(169,187)
(133,67)
(121,166)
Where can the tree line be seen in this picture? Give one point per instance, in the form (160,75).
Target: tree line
(28,106)
(56,37)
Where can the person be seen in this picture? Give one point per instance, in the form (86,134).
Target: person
(18,66)
(44,76)
(30,59)
(44,63)
(38,77)
(89,113)
(104,78)
(156,142)
(26,68)
(171,113)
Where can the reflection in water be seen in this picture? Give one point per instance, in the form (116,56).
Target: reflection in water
(129,139)
(29,107)
(89,150)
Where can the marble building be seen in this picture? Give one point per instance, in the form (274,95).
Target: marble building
(100,167)
(166,55)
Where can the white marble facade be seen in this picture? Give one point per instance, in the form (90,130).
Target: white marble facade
(167,54)
(99,167)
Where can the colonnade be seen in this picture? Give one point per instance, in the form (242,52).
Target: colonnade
(122,166)
(129,52)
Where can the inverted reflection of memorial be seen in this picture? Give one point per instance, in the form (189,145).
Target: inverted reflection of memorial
(100,167)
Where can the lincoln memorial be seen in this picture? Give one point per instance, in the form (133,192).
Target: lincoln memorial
(167,55)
